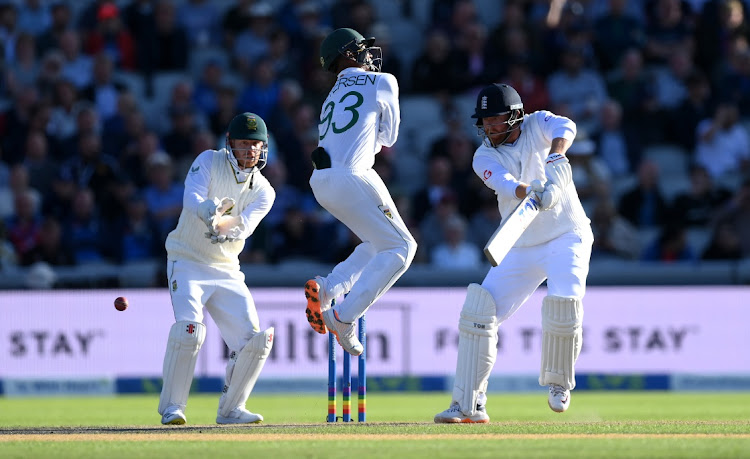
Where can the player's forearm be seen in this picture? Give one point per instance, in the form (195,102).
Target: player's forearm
(559,145)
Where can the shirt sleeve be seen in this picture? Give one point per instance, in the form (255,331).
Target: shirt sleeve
(555,126)
(197,181)
(252,215)
(390,112)
(495,176)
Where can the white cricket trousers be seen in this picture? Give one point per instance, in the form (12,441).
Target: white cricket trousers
(563,261)
(223,293)
(361,201)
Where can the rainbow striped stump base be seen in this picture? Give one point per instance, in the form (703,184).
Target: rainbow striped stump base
(346,389)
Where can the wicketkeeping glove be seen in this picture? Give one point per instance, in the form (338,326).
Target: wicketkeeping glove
(549,193)
(558,171)
(207,210)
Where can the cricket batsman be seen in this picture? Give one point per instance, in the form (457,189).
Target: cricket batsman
(521,154)
(225,199)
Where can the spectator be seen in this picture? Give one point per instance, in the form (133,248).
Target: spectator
(18,182)
(614,236)
(135,159)
(577,91)
(433,70)
(670,246)
(485,221)
(226,102)
(644,205)
(77,67)
(9,31)
(668,30)
(723,146)
(41,168)
(34,17)
(137,235)
(200,19)
(112,37)
(736,214)
(253,41)
(455,252)
(104,91)
(8,259)
(590,173)
(290,240)
(619,149)
(261,91)
(235,20)
(61,22)
(696,107)
(530,87)
(62,123)
(614,33)
(166,48)
(632,87)
(83,232)
(24,225)
(206,93)
(671,81)
(23,68)
(698,206)
(16,121)
(438,186)
(163,195)
(474,66)
(50,248)
(87,122)
(718,21)
(179,139)
(98,173)
(431,227)
(725,243)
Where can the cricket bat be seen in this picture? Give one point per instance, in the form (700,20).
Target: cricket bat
(511,229)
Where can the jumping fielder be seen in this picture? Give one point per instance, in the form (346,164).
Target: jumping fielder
(226,194)
(523,154)
(359,117)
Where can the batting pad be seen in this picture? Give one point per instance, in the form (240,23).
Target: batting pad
(185,340)
(477,348)
(562,338)
(250,361)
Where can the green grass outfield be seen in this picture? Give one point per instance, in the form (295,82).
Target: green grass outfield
(598,424)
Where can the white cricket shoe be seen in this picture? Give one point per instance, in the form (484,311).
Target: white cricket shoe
(173,416)
(453,415)
(346,334)
(559,398)
(239,415)
(317,303)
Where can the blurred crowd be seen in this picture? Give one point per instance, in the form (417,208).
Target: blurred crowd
(104,105)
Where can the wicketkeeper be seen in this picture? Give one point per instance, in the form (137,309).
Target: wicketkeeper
(525,153)
(225,199)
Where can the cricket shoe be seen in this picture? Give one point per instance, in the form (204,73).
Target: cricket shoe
(317,304)
(559,398)
(239,415)
(453,415)
(173,416)
(346,334)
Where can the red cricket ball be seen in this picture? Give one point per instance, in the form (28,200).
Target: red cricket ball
(121,303)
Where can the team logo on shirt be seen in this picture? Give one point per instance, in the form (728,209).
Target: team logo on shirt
(386,212)
(487,174)
(174,285)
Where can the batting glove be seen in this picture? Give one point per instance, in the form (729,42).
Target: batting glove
(549,193)
(558,171)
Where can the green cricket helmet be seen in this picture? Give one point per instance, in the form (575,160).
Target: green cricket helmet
(353,46)
(247,126)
